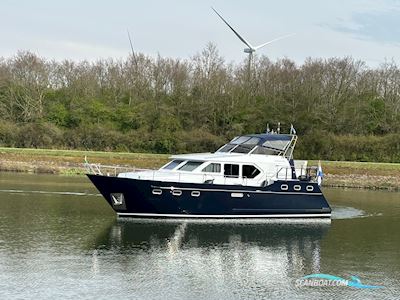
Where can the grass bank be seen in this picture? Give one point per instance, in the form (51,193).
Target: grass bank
(366,175)
(70,162)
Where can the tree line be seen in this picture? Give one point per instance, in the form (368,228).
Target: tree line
(341,108)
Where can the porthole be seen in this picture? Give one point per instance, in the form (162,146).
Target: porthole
(284,187)
(237,195)
(195,194)
(156,192)
(309,188)
(176,192)
(297,187)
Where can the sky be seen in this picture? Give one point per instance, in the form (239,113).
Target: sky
(368,30)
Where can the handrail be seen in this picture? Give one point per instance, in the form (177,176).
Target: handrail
(99,169)
(310,173)
(96,169)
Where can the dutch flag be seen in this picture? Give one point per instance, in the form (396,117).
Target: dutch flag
(292,130)
(320,174)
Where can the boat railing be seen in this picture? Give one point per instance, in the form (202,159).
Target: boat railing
(198,177)
(302,173)
(108,170)
(283,173)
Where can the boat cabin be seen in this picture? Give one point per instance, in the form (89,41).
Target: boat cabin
(251,160)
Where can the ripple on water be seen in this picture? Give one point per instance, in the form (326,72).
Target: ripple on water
(341,212)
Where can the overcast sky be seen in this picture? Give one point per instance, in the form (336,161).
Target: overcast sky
(78,29)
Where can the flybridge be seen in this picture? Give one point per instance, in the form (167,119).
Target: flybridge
(266,144)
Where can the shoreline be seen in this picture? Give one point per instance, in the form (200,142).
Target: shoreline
(338,174)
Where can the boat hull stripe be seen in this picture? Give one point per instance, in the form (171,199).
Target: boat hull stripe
(233,191)
(322,215)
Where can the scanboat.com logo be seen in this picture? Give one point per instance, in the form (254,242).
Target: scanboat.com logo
(330,280)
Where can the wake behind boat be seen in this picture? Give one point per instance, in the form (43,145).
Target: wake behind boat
(253,176)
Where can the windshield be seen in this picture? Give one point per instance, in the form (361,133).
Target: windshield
(241,144)
(278,145)
(190,165)
(173,164)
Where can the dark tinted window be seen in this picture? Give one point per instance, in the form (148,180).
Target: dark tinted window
(250,171)
(227,148)
(263,150)
(231,170)
(173,164)
(279,145)
(243,148)
(240,140)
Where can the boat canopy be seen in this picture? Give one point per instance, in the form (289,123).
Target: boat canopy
(267,144)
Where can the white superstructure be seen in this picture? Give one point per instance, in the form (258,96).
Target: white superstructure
(250,160)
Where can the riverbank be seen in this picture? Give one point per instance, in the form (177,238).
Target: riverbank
(70,162)
(364,175)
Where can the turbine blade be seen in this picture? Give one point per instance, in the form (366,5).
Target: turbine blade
(237,34)
(274,40)
(133,52)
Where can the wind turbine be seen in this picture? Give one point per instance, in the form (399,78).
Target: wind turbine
(133,52)
(250,48)
(135,69)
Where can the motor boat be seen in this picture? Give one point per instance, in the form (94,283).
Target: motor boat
(252,176)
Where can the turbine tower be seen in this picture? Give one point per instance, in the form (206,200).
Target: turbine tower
(250,49)
(133,52)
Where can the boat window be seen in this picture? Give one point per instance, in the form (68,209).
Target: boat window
(231,170)
(253,141)
(240,140)
(227,148)
(243,148)
(173,164)
(277,144)
(263,150)
(190,165)
(213,168)
(247,145)
(243,144)
(249,171)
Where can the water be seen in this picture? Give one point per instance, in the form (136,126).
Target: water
(59,239)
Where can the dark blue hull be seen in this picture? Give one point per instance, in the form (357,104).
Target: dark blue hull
(147,198)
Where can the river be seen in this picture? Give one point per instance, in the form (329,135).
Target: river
(60,239)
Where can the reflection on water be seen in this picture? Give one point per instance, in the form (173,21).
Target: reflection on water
(297,242)
(228,258)
(132,233)
(57,245)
